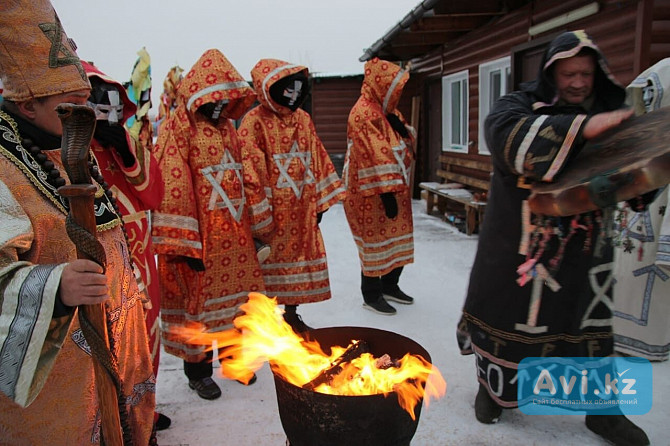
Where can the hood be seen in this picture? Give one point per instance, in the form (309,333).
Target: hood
(607,89)
(129,108)
(384,81)
(211,79)
(268,71)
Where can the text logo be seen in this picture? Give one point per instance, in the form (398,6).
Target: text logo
(572,386)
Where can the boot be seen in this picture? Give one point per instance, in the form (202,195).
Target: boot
(373,299)
(199,376)
(391,289)
(487,410)
(617,429)
(292,318)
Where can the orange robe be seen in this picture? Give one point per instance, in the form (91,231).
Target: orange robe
(204,213)
(378,160)
(48,393)
(284,151)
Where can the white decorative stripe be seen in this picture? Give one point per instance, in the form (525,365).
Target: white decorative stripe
(266,91)
(409,258)
(268,192)
(175,221)
(360,242)
(187,350)
(219,300)
(328,197)
(301,293)
(268,266)
(382,184)
(284,279)
(216,87)
(159,240)
(565,148)
(392,88)
(326,182)
(382,256)
(261,225)
(527,141)
(261,207)
(379,170)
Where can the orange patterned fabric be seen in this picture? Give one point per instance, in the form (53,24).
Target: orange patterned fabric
(282,148)
(378,160)
(65,412)
(138,189)
(204,213)
(37,58)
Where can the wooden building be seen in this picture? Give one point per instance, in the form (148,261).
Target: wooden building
(331,99)
(466,54)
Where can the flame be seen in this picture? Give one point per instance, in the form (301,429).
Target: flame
(261,335)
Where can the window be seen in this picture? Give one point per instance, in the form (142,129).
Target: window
(494,82)
(455,112)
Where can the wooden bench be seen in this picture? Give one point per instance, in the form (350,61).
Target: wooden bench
(459,188)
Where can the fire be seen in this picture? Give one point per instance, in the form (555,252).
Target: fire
(261,335)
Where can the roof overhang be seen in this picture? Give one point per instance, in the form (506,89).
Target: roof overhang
(434,23)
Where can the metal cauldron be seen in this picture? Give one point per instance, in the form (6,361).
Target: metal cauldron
(316,419)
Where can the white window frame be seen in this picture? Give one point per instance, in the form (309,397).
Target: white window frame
(485,71)
(447,128)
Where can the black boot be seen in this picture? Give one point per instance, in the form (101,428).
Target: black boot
(199,376)
(617,429)
(373,299)
(391,289)
(292,318)
(487,411)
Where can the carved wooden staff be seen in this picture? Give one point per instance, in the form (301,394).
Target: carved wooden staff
(78,127)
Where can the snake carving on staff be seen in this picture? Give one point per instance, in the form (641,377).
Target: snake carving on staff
(78,126)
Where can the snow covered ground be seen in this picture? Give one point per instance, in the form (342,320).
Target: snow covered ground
(248,416)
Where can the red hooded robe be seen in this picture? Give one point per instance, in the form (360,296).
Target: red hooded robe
(204,214)
(282,148)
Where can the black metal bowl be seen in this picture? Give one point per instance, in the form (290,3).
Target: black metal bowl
(316,419)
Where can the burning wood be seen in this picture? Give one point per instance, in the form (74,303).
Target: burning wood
(356,349)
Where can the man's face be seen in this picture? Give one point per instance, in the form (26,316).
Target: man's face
(46,117)
(574,78)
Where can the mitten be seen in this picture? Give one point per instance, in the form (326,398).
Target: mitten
(390,204)
(195,264)
(397,125)
(114,137)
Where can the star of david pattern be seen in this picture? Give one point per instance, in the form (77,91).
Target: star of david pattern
(283,162)
(215,175)
(54,32)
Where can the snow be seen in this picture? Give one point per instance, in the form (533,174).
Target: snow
(248,415)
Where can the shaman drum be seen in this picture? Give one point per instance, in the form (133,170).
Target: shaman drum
(623,163)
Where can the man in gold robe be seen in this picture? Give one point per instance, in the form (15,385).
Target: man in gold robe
(48,388)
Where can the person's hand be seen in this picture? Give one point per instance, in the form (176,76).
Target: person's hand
(600,123)
(390,204)
(83,283)
(113,136)
(397,125)
(195,264)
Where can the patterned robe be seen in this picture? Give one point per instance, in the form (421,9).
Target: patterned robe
(283,150)
(138,189)
(204,212)
(47,384)
(378,160)
(539,286)
(642,259)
